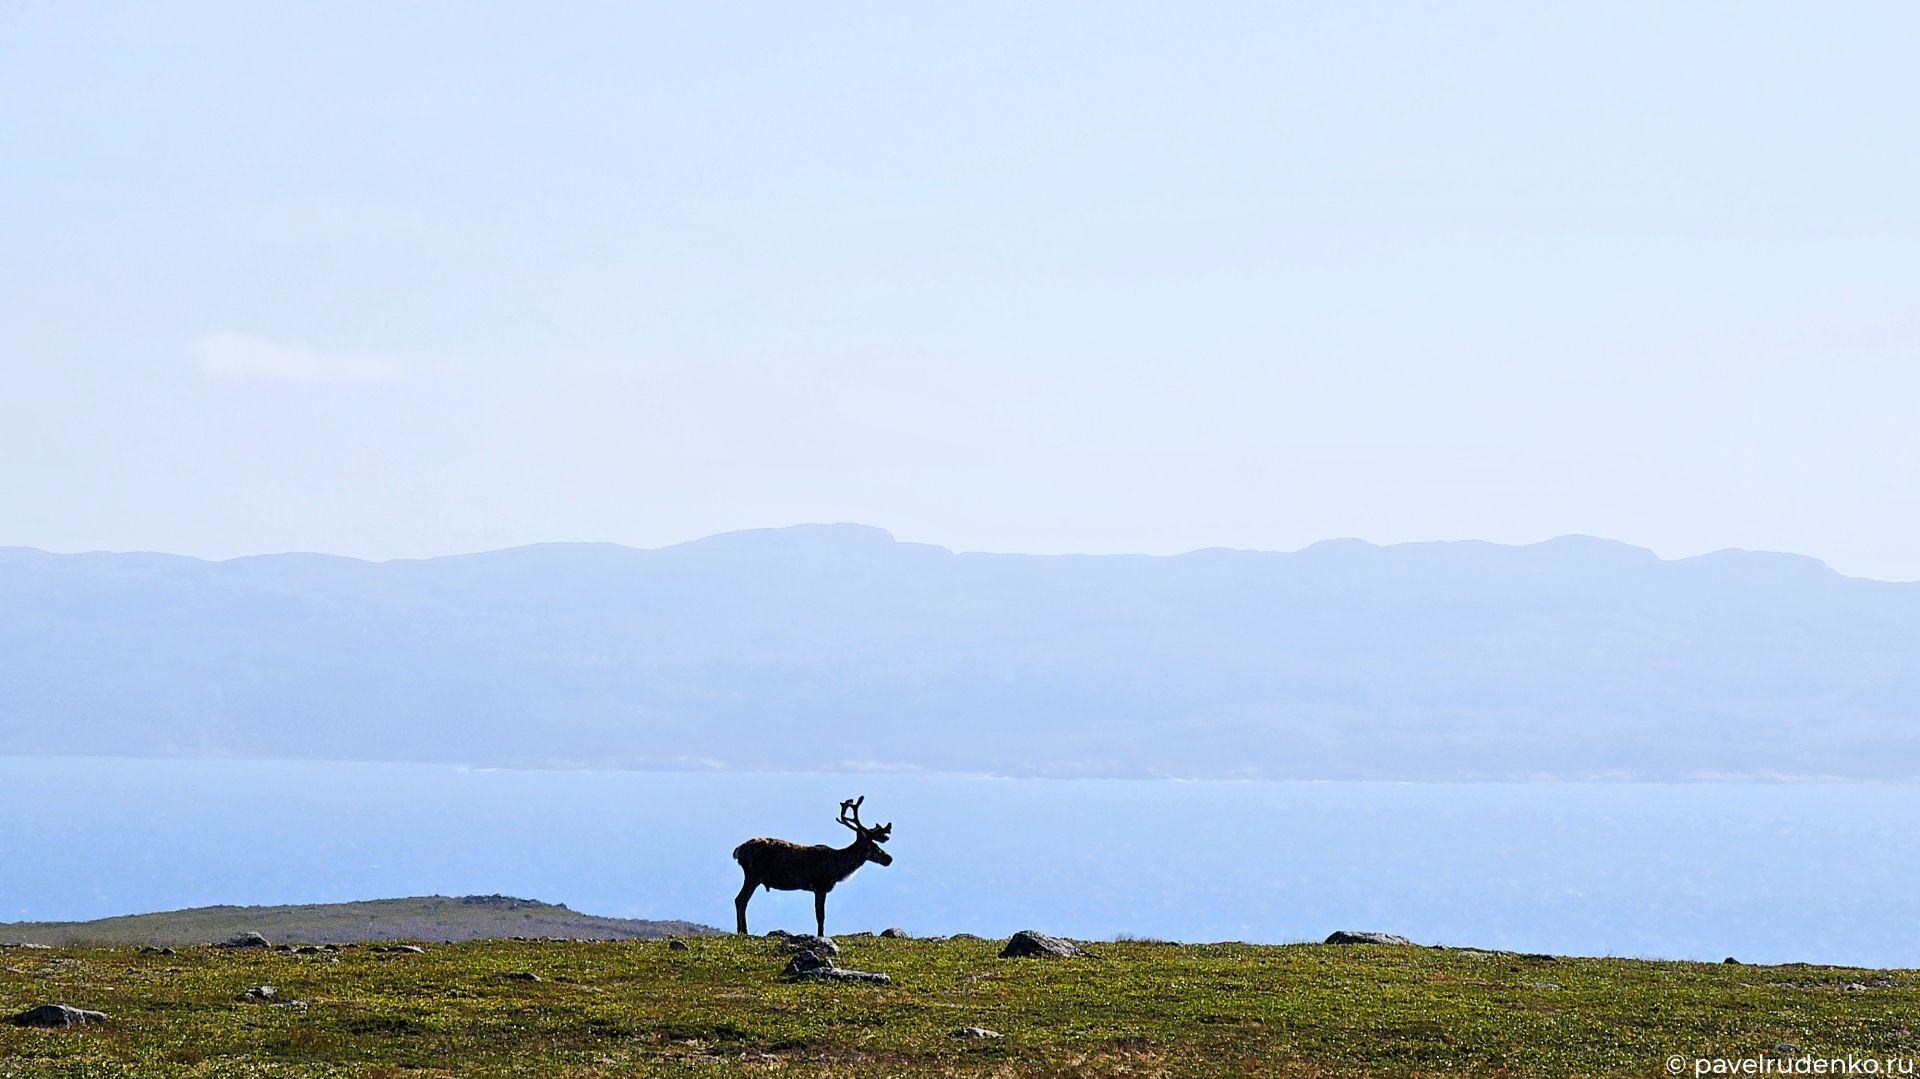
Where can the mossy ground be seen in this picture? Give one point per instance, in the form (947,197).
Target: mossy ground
(639,1008)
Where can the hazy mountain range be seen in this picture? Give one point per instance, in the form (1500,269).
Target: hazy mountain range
(434,917)
(835,647)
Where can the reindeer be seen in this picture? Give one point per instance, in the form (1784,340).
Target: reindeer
(790,867)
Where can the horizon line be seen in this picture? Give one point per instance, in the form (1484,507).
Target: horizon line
(853,526)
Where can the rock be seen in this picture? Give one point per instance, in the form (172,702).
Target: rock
(521,976)
(810,943)
(1731,961)
(1853,987)
(1030,942)
(148,949)
(57,1015)
(901,934)
(804,963)
(262,992)
(975,1032)
(28,947)
(1349,936)
(965,936)
(677,945)
(840,974)
(807,965)
(400,949)
(778,933)
(246,940)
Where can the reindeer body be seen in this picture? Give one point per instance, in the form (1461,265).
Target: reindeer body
(794,867)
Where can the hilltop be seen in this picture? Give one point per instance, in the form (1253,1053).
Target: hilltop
(1575,658)
(494,1009)
(436,917)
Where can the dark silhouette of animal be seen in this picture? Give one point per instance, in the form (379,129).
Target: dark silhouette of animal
(790,867)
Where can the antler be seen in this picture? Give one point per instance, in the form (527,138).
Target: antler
(852,806)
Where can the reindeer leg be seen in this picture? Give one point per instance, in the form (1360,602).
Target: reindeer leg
(820,912)
(740,903)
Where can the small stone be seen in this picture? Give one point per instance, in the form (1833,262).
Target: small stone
(1350,936)
(57,1015)
(1032,942)
(975,1032)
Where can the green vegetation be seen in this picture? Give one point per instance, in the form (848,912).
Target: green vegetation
(719,1008)
(437,917)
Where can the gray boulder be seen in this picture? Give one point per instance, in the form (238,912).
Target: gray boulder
(1031,942)
(262,992)
(677,945)
(246,940)
(57,1015)
(896,934)
(1349,936)
(805,965)
(810,943)
(975,1032)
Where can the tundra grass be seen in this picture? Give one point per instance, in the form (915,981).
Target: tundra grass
(1138,1008)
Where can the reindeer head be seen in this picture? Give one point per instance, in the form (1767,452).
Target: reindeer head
(870,838)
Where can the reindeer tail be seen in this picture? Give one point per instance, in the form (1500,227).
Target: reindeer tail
(744,855)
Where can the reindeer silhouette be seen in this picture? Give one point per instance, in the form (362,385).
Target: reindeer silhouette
(790,867)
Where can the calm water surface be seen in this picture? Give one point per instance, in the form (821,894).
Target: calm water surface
(1768,873)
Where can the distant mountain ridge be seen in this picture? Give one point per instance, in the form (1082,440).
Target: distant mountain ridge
(435,917)
(834,647)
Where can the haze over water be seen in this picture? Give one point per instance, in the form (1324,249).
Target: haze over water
(1766,873)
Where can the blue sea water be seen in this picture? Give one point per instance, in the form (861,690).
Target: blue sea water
(1764,872)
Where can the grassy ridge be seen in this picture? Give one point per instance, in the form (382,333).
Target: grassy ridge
(718,1008)
(437,917)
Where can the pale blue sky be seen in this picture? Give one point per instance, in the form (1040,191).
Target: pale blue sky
(1024,277)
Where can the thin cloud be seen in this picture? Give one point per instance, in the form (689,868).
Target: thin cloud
(230,354)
